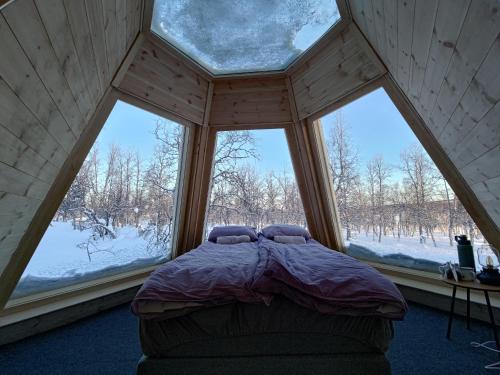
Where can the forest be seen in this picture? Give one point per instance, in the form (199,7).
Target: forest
(116,188)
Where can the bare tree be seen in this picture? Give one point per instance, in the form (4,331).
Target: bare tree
(421,175)
(344,169)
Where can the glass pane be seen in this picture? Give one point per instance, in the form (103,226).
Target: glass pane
(395,206)
(118,214)
(253,181)
(227,36)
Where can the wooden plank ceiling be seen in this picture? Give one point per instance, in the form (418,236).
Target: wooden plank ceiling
(445,56)
(160,77)
(341,67)
(58,58)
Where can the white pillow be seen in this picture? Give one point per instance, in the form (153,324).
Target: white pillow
(231,240)
(295,240)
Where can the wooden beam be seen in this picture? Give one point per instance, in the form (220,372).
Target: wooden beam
(131,55)
(208,103)
(309,160)
(452,175)
(313,183)
(253,126)
(195,192)
(151,107)
(54,197)
(344,10)
(361,91)
(147,16)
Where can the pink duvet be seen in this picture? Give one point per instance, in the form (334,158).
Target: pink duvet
(310,275)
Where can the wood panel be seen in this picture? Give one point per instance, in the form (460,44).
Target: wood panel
(195,187)
(480,213)
(450,77)
(342,67)
(250,101)
(158,77)
(306,146)
(55,68)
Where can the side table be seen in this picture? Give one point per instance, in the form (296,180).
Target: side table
(474,285)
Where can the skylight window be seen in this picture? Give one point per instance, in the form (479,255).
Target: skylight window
(227,36)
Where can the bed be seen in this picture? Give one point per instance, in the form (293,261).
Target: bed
(263,307)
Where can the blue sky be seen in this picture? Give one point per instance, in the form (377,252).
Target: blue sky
(129,127)
(375,126)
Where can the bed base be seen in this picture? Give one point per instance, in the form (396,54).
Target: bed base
(324,364)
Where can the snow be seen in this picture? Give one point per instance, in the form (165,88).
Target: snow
(237,36)
(59,261)
(406,251)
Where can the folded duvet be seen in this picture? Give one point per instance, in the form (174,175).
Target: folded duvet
(212,274)
(310,275)
(327,281)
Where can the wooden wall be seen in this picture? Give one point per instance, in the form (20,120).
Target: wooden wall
(252,101)
(445,56)
(163,79)
(57,60)
(341,67)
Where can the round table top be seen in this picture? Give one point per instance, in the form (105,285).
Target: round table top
(472,285)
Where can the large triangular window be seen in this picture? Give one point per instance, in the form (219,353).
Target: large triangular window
(394,205)
(119,213)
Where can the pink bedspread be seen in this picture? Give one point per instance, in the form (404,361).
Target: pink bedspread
(211,274)
(328,281)
(310,275)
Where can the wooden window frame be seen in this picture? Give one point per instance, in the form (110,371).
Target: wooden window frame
(43,302)
(220,129)
(405,276)
(331,33)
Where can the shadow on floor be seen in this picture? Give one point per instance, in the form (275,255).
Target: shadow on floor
(108,343)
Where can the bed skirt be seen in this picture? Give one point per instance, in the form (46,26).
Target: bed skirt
(331,364)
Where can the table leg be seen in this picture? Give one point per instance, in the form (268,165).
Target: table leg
(468,308)
(492,319)
(450,319)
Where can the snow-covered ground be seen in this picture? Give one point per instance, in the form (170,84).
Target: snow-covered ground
(59,261)
(409,247)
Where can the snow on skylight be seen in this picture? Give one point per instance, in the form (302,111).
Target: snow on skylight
(230,36)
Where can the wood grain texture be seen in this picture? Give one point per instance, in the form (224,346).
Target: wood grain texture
(158,77)
(457,179)
(447,65)
(250,101)
(50,196)
(55,19)
(30,33)
(18,73)
(54,70)
(96,23)
(195,190)
(309,163)
(340,68)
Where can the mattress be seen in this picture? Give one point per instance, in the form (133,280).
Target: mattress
(245,329)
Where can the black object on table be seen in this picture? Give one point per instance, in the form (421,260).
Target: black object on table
(468,285)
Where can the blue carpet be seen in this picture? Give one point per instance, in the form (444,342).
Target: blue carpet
(108,343)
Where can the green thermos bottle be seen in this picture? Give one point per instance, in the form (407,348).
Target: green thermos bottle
(465,252)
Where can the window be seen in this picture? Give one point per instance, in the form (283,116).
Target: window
(253,181)
(395,207)
(119,213)
(243,36)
